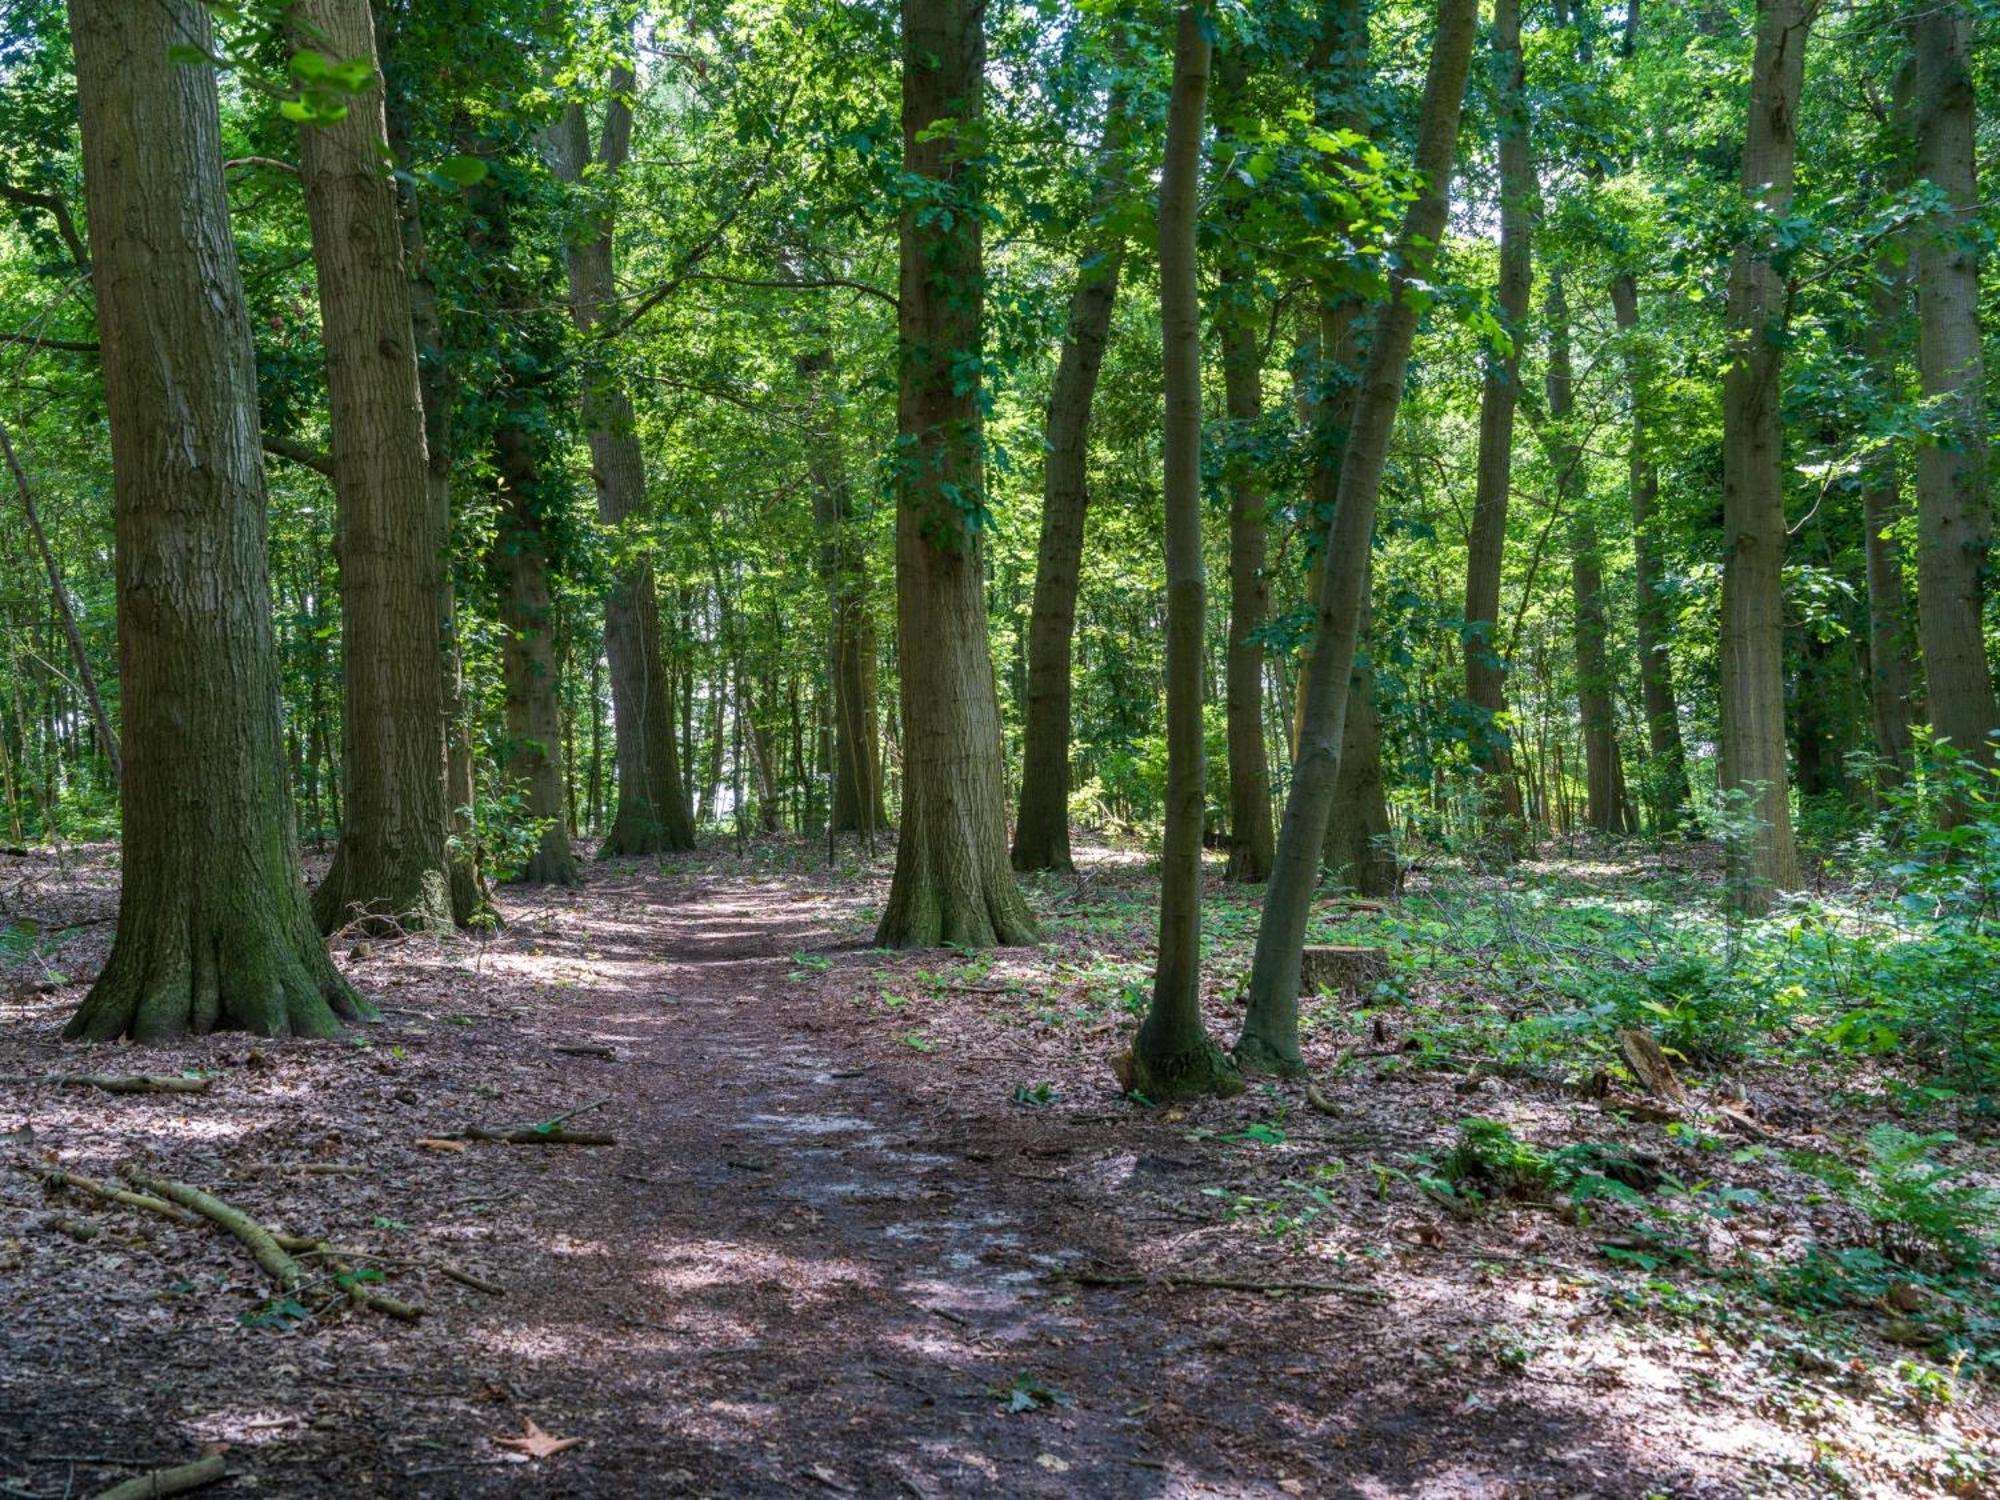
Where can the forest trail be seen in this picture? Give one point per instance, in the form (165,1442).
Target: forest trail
(827,1254)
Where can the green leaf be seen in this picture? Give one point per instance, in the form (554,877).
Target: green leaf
(465,171)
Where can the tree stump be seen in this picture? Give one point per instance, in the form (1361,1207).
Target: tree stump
(1351,973)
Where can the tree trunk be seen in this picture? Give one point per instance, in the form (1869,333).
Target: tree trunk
(1041,826)
(856,768)
(1667,771)
(1250,834)
(1605,804)
(952,884)
(1892,647)
(1270,1038)
(1173,1055)
(651,815)
(436,387)
(1763,856)
(1360,841)
(1953,523)
(1485,668)
(389,870)
(214,926)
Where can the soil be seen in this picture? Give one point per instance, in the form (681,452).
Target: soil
(830,1252)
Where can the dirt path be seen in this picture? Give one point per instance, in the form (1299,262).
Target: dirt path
(818,1261)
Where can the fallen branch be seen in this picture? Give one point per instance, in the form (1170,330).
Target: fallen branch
(1226,1284)
(259,1241)
(119,1083)
(586,1049)
(177,1481)
(57,1179)
(543,1133)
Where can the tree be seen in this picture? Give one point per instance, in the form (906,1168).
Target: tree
(1954,528)
(652,811)
(1607,808)
(1173,1056)
(389,870)
(952,882)
(1764,859)
(214,928)
(1249,589)
(1891,646)
(1270,1040)
(1500,394)
(1041,827)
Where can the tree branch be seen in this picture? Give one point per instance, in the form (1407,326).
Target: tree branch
(300,453)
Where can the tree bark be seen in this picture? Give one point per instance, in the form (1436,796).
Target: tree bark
(855,744)
(952,884)
(437,388)
(1667,771)
(1250,836)
(652,816)
(1606,807)
(1041,826)
(389,870)
(1270,1039)
(1954,528)
(214,927)
(1763,856)
(1892,647)
(1173,1056)
(1485,668)
(1360,840)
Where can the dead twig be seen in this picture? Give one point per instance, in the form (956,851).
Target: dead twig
(119,1083)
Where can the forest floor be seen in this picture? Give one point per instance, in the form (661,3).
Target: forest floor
(881,1224)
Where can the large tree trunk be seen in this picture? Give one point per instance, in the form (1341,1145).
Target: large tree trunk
(1173,1055)
(1485,669)
(1892,646)
(1270,1039)
(952,884)
(1041,827)
(1954,526)
(651,814)
(389,871)
(1667,771)
(214,926)
(470,897)
(1250,837)
(1764,858)
(1606,806)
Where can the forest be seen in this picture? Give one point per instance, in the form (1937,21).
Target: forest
(1020,747)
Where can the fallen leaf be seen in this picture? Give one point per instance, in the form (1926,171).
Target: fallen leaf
(1053,1464)
(536,1443)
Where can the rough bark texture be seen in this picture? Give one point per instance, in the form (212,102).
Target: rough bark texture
(1270,1039)
(952,883)
(1954,525)
(652,814)
(214,927)
(1667,769)
(1360,840)
(470,897)
(1041,827)
(1173,1055)
(1485,670)
(389,870)
(1764,859)
(1607,809)
(1892,645)
(1250,834)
